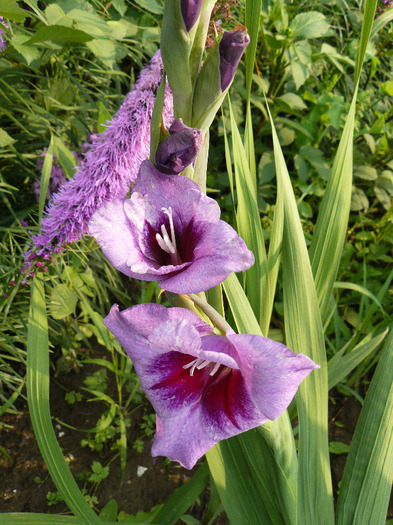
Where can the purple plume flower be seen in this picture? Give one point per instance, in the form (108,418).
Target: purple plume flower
(204,387)
(179,150)
(109,166)
(3,41)
(169,231)
(190,10)
(231,49)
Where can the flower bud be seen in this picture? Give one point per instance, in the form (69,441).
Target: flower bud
(231,49)
(216,76)
(179,150)
(190,10)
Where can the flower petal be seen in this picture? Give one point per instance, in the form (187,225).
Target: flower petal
(219,251)
(182,438)
(110,227)
(271,371)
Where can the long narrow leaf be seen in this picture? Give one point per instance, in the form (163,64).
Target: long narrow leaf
(250,481)
(331,227)
(248,221)
(38,399)
(304,333)
(368,475)
(181,499)
(341,365)
(253,12)
(45,177)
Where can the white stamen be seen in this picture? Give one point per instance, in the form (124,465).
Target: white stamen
(166,243)
(201,363)
(216,367)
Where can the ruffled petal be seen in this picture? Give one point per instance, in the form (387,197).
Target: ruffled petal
(271,372)
(218,252)
(181,438)
(111,228)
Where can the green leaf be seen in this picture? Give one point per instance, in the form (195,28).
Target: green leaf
(103,49)
(367,479)
(253,11)
(29,53)
(341,365)
(62,301)
(156,119)
(251,484)
(110,511)
(10,9)
(242,312)
(38,399)
(182,498)
(104,117)
(248,220)
(45,178)
(153,6)
(65,157)
(5,139)
(336,447)
(304,333)
(120,6)
(293,101)
(309,25)
(59,33)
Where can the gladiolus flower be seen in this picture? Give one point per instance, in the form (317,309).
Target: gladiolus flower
(179,150)
(204,387)
(169,231)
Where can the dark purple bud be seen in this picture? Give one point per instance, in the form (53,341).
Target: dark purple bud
(231,49)
(179,150)
(190,10)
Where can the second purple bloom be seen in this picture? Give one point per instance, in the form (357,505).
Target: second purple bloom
(169,231)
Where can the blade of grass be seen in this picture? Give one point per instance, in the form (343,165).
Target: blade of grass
(45,177)
(368,475)
(181,499)
(38,399)
(341,365)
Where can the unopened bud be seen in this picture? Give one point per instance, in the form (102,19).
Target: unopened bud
(179,150)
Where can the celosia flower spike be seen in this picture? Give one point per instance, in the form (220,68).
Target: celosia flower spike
(169,231)
(204,387)
(109,166)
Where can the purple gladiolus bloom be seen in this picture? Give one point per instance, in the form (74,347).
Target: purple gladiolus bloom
(190,10)
(231,49)
(109,166)
(169,231)
(179,150)
(204,387)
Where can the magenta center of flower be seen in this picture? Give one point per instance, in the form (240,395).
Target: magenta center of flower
(199,363)
(167,241)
